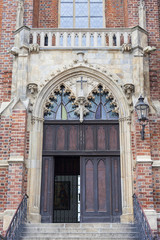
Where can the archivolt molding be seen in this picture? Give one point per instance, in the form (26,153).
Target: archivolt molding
(84,64)
(94,76)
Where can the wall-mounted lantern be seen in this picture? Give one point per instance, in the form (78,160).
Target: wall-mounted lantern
(142,112)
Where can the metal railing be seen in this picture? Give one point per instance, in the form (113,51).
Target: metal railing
(141,221)
(14,230)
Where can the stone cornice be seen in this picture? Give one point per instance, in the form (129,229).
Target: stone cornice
(156,164)
(4,164)
(144,159)
(16,159)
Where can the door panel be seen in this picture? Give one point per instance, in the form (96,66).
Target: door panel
(95,205)
(89,141)
(116,187)
(47,189)
(80,137)
(100,189)
(89,202)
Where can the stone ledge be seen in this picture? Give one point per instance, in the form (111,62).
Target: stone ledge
(16,159)
(144,159)
(4,164)
(7,217)
(156,164)
(1,216)
(152,218)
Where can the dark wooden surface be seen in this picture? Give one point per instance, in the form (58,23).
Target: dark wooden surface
(100,189)
(47,189)
(100,137)
(97,143)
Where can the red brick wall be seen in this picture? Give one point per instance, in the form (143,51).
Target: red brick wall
(139,146)
(35,13)
(7,40)
(158,226)
(1,9)
(15,185)
(18,133)
(48,14)
(28,12)
(145,184)
(133,13)
(156,188)
(3,188)
(17,174)
(154,35)
(114,13)
(155,137)
(5,138)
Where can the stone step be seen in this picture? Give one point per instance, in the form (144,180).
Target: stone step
(77,238)
(79,231)
(82,235)
(80,225)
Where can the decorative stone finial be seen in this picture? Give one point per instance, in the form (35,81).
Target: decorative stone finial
(20,14)
(142,14)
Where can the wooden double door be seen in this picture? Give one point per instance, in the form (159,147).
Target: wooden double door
(98,153)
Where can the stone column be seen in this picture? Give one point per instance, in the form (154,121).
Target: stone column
(34,169)
(126,170)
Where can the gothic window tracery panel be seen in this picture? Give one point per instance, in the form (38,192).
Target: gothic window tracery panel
(61,107)
(101,107)
(81,13)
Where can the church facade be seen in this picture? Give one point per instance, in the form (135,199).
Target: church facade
(71,75)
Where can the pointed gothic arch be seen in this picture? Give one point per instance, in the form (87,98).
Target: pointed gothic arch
(125,137)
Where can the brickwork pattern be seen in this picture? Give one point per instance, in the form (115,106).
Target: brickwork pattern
(48,14)
(155,137)
(18,133)
(133,13)
(158,226)
(114,13)
(7,40)
(145,184)
(3,188)
(35,13)
(153,28)
(15,185)
(28,12)
(1,13)
(5,137)
(156,188)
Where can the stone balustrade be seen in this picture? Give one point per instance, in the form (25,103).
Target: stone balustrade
(81,38)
